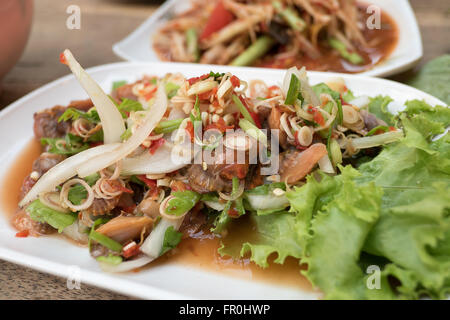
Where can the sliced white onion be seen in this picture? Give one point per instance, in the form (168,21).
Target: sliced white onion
(77,232)
(64,171)
(305,89)
(150,121)
(267,202)
(164,160)
(325,164)
(111,119)
(215,205)
(152,246)
(126,265)
(336,84)
(360,102)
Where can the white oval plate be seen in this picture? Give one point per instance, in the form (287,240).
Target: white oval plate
(170,281)
(137,46)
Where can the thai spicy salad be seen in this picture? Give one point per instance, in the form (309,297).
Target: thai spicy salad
(325,176)
(323,35)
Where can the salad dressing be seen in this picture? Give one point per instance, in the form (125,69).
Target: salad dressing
(199,252)
(20,169)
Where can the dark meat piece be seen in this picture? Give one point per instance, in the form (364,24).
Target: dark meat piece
(41,165)
(46,161)
(194,223)
(102,206)
(202,181)
(46,123)
(370,120)
(22,221)
(83,105)
(254,177)
(124,92)
(218,176)
(27,184)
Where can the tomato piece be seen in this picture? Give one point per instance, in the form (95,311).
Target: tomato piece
(197,79)
(273,91)
(219,18)
(235,82)
(207,95)
(23,234)
(190,130)
(155,145)
(148,182)
(318,118)
(131,251)
(219,125)
(233,213)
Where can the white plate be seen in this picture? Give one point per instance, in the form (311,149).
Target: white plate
(137,46)
(170,281)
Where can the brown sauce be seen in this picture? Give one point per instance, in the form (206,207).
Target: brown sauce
(199,252)
(19,170)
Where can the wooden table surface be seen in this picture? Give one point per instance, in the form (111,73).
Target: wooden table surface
(104,22)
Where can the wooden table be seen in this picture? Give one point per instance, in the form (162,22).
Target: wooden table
(103,22)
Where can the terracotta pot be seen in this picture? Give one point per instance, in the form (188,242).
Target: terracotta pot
(15,25)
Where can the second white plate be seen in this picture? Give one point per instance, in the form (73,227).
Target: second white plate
(138,46)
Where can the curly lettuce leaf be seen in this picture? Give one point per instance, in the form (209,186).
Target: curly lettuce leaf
(414,223)
(341,215)
(276,233)
(378,106)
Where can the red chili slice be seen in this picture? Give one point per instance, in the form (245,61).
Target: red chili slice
(23,234)
(155,145)
(131,252)
(252,114)
(62,58)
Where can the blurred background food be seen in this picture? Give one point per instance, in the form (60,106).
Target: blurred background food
(15,24)
(104,22)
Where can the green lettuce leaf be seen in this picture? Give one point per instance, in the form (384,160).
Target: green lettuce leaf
(378,106)
(339,216)
(269,234)
(414,225)
(44,214)
(434,78)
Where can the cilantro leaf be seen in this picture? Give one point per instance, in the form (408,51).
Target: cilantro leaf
(171,239)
